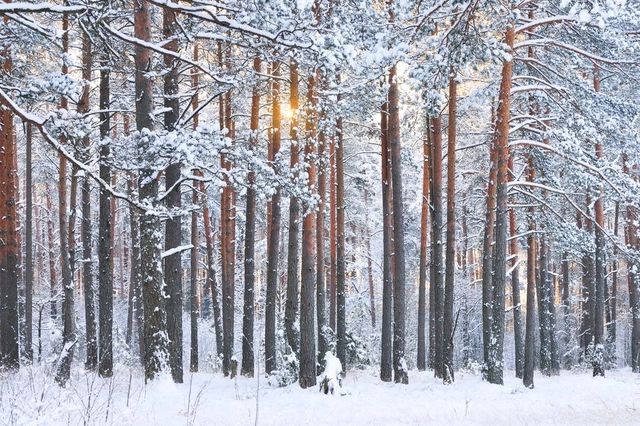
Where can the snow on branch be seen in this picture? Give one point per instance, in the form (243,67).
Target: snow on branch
(590,167)
(537,185)
(39,123)
(542,42)
(22,7)
(208,14)
(533,88)
(176,250)
(161,50)
(544,21)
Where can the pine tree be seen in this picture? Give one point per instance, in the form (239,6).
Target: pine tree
(307,377)
(9,354)
(155,322)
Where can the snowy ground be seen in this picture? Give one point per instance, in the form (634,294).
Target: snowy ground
(31,397)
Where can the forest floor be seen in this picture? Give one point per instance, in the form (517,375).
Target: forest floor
(31,397)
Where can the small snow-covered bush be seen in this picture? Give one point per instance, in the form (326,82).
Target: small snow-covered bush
(331,378)
(214,361)
(358,352)
(288,371)
(473,368)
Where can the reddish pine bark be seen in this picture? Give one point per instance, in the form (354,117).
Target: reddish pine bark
(9,250)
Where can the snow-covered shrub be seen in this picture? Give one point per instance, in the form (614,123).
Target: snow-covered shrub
(286,360)
(597,360)
(358,352)
(122,353)
(288,371)
(214,361)
(331,377)
(473,368)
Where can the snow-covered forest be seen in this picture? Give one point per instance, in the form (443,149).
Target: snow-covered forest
(261,212)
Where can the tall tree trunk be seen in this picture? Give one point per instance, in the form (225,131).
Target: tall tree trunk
(211,273)
(20,282)
(422,273)
(135,280)
(372,297)
(155,322)
(53,278)
(323,345)
(228,230)
(587,290)
(551,291)
(131,298)
(633,280)
(250,241)
(194,307)
(450,256)
(386,369)
(332,234)
(529,338)
(515,289)
(307,333)
(399,363)
(566,311)
(496,364)
(612,297)
(543,309)
(293,254)
(466,320)
(113,209)
(274,234)
(71,222)
(487,257)
(105,250)
(87,227)
(436,253)
(9,250)
(68,308)
(29,264)
(601,270)
(432,248)
(341,272)
(173,225)
(40,235)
